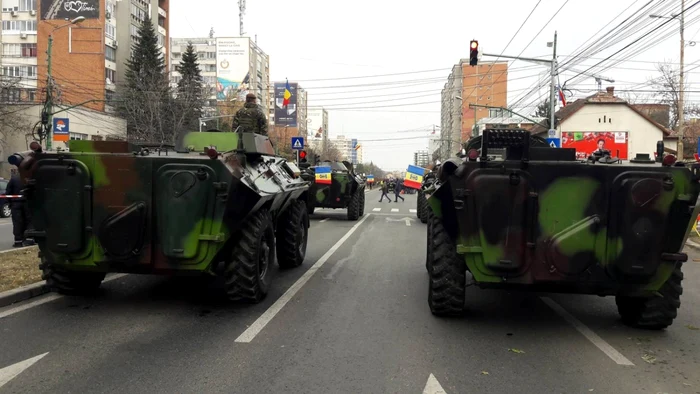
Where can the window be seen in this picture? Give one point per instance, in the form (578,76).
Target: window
(77,136)
(11,71)
(96,137)
(110,53)
(111,75)
(109,96)
(28,50)
(161,40)
(11,50)
(210,67)
(31,95)
(10,94)
(27,5)
(134,30)
(10,5)
(110,31)
(211,55)
(19,26)
(495,113)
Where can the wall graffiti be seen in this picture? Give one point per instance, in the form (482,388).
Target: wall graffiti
(62,9)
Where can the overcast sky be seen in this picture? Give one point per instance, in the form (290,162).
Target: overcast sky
(308,40)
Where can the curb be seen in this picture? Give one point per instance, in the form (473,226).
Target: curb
(22,293)
(25,292)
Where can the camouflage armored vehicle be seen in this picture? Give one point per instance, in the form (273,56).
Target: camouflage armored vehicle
(334,185)
(421,199)
(221,204)
(537,219)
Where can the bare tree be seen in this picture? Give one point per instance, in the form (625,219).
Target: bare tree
(667,87)
(13,122)
(332,153)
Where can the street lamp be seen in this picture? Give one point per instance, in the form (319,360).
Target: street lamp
(48,109)
(681,106)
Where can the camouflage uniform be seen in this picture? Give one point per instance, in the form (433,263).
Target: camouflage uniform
(251,119)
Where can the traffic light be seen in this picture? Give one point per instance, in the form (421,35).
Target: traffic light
(473,52)
(302,156)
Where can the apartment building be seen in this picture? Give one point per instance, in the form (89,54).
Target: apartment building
(19,50)
(206,56)
(346,147)
(318,128)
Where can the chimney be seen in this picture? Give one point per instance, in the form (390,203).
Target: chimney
(610,90)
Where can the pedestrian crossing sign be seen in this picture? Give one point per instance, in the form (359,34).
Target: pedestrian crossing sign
(297,143)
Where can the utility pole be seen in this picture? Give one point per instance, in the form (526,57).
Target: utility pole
(553,88)
(681,104)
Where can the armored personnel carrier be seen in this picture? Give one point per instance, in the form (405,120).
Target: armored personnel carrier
(220,204)
(538,219)
(335,185)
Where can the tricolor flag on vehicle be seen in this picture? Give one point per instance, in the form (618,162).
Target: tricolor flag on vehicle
(323,175)
(414,177)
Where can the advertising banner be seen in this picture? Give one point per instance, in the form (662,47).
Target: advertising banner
(354,151)
(587,142)
(67,9)
(232,68)
(285,116)
(61,129)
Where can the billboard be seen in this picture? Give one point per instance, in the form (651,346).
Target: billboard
(68,9)
(232,68)
(285,117)
(586,142)
(354,151)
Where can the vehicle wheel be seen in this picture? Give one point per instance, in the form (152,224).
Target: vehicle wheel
(247,273)
(428,256)
(354,206)
(292,235)
(424,208)
(362,201)
(5,210)
(70,282)
(447,272)
(653,313)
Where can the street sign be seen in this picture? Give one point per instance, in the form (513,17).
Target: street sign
(551,133)
(297,143)
(61,129)
(554,142)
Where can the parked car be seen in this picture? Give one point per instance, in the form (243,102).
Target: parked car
(4,202)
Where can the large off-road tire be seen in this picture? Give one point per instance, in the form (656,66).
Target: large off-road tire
(446,271)
(424,208)
(292,235)
(362,201)
(418,203)
(70,282)
(428,249)
(654,313)
(354,205)
(247,273)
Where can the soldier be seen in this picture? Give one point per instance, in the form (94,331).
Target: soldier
(21,220)
(385,191)
(250,118)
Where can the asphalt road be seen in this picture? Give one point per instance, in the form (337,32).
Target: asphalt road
(356,321)
(6,237)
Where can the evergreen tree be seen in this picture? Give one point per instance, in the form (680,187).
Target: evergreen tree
(190,89)
(145,99)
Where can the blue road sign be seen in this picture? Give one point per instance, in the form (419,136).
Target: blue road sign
(554,142)
(61,126)
(297,143)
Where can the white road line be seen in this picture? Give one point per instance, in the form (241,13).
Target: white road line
(433,386)
(323,220)
(48,298)
(376,209)
(588,333)
(394,209)
(5,224)
(412,210)
(249,334)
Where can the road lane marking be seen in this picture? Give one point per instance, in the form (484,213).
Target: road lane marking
(412,210)
(433,386)
(254,329)
(48,298)
(323,220)
(394,209)
(588,333)
(10,372)
(376,209)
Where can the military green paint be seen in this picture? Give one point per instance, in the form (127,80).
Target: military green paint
(223,142)
(476,260)
(564,203)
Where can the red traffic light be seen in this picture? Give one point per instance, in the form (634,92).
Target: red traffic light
(474,44)
(302,154)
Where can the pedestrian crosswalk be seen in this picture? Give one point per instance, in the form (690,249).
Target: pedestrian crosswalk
(393,210)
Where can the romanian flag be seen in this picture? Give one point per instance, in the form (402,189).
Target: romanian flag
(323,175)
(562,97)
(287,95)
(370,178)
(414,177)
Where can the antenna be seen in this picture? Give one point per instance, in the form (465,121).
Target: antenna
(211,32)
(241,12)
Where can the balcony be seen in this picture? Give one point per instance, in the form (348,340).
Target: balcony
(161,30)
(161,12)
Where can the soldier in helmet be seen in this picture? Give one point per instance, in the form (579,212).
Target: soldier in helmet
(250,118)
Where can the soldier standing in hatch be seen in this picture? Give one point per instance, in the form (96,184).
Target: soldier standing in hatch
(250,118)
(21,219)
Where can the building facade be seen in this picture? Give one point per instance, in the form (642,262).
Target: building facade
(206,56)
(483,84)
(421,158)
(19,50)
(318,128)
(348,148)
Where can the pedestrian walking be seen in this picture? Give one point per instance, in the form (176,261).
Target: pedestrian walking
(385,192)
(397,191)
(21,218)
